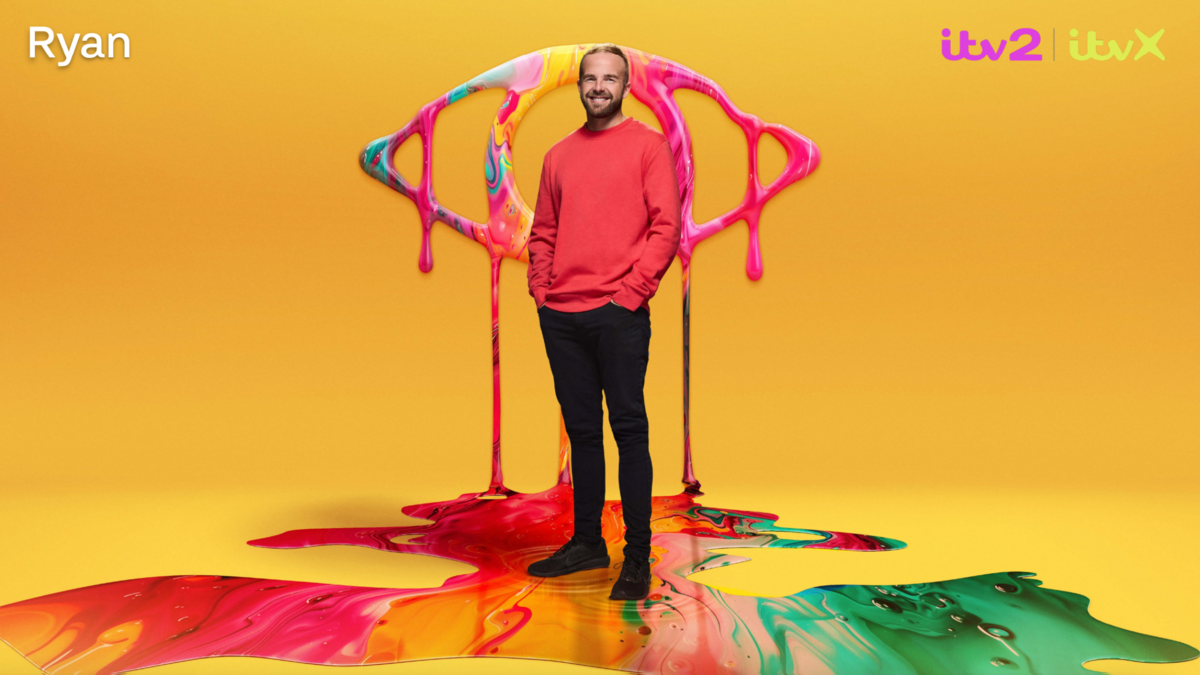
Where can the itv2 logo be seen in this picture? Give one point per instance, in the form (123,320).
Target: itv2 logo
(1023,51)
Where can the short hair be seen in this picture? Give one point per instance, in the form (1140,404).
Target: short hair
(606,48)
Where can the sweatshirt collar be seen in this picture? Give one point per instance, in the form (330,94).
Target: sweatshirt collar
(588,133)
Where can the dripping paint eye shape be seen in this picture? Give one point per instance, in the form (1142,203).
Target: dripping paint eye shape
(652,80)
(526,79)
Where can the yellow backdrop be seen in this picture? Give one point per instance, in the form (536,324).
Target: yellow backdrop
(990,284)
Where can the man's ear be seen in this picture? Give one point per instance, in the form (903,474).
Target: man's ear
(628,88)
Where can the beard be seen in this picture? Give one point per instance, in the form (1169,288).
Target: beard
(613,107)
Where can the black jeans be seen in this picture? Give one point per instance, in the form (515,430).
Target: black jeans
(604,349)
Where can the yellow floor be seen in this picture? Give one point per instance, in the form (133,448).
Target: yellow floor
(1134,554)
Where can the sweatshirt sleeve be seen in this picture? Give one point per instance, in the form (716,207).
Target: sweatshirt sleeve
(660,189)
(542,235)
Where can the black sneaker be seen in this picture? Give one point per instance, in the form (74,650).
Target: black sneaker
(572,557)
(634,582)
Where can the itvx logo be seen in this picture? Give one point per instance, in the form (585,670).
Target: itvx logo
(1020,50)
(1149,46)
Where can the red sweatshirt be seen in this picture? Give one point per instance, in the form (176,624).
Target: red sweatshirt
(606,224)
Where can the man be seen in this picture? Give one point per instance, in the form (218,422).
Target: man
(605,230)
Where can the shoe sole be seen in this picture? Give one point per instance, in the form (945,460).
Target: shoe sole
(596,565)
(639,597)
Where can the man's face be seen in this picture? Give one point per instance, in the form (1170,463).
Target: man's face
(604,85)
